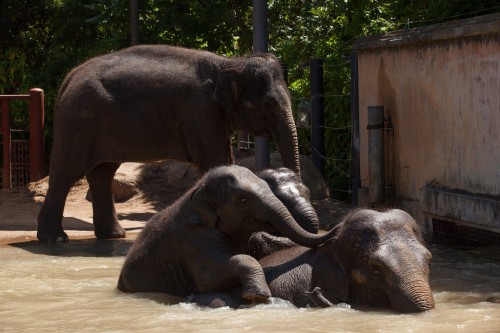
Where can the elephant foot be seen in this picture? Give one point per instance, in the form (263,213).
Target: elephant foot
(257,296)
(115,232)
(55,236)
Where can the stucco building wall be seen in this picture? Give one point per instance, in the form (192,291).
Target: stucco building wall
(440,86)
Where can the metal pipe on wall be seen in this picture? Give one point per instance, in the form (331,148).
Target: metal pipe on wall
(376,154)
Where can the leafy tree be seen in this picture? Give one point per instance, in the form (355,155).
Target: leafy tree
(40,41)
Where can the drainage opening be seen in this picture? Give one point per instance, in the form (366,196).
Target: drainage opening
(451,233)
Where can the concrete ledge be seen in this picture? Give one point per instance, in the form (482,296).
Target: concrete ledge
(487,25)
(480,210)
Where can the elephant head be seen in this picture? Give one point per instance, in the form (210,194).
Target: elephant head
(376,259)
(238,203)
(289,188)
(255,96)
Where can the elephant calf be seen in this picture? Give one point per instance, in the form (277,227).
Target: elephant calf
(374,260)
(195,245)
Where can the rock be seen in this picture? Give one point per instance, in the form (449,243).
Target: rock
(124,185)
(493,299)
(310,175)
(122,190)
(163,182)
(157,180)
(180,175)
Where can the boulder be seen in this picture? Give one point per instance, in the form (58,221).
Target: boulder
(124,185)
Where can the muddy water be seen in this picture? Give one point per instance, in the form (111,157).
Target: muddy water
(71,288)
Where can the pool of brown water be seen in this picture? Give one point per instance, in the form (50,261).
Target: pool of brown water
(72,288)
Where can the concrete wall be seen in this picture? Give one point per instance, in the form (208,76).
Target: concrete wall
(440,86)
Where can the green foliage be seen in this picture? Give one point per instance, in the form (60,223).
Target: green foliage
(40,41)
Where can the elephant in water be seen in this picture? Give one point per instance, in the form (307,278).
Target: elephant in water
(290,189)
(375,260)
(196,245)
(154,102)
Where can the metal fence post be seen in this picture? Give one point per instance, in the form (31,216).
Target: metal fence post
(317,115)
(7,166)
(260,42)
(36,145)
(134,22)
(355,158)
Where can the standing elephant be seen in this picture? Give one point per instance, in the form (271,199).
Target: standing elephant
(155,102)
(194,246)
(375,260)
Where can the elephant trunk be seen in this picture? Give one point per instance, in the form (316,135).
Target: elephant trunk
(276,213)
(286,138)
(414,294)
(305,215)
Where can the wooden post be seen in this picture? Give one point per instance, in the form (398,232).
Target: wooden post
(37,145)
(6,180)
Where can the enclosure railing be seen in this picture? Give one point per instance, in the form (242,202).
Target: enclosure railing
(36,139)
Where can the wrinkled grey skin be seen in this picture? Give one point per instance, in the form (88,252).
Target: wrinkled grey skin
(375,260)
(194,245)
(154,102)
(289,188)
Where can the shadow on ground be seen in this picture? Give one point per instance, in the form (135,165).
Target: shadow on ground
(78,247)
(135,216)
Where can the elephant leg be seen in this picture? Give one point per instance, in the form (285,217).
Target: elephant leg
(225,271)
(253,281)
(51,214)
(218,300)
(106,222)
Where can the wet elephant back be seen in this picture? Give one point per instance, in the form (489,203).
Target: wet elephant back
(287,269)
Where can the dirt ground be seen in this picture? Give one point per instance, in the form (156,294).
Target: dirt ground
(19,208)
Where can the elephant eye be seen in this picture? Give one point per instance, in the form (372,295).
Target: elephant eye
(376,267)
(268,105)
(243,200)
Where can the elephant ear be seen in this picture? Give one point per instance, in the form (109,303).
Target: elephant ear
(201,211)
(226,89)
(330,276)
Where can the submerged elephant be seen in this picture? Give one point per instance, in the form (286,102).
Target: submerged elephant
(195,245)
(375,260)
(148,103)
